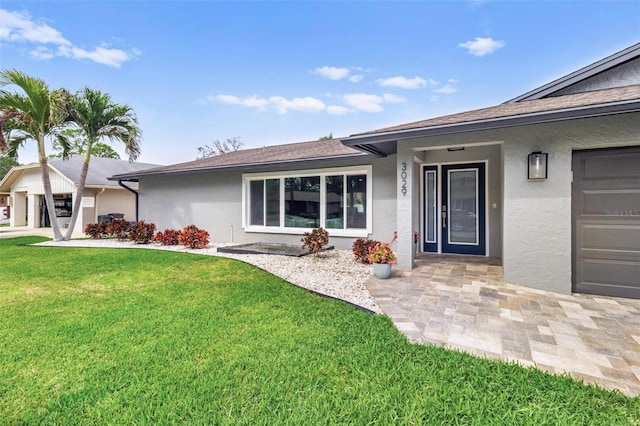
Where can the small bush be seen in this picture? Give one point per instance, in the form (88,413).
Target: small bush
(382,253)
(142,233)
(96,230)
(168,237)
(361,248)
(193,237)
(315,240)
(119,228)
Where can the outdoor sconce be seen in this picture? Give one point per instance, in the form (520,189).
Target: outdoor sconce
(537,169)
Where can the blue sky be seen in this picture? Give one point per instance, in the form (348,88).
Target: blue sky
(280,72)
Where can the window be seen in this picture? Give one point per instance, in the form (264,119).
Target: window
(336,199)
(265,197)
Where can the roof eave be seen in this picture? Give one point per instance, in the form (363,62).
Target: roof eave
(602,65)
(360,141)
(134,177)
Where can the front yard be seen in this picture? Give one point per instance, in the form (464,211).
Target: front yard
(97,336)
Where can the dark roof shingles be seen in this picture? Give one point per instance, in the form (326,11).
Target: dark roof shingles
(585,99)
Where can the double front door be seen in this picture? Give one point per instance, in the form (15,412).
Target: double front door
(455,209)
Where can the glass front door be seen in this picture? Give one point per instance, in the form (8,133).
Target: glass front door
(455,214)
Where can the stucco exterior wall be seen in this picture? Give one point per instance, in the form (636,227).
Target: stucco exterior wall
(537,214)
(213,201)
(115,201)
(623,75)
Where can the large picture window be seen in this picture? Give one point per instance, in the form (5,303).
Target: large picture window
(335,199)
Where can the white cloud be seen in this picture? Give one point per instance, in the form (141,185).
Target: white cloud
(338,110)
(390,98)
(249,101)
(482,46)
(41,52)
(356,78)
(447,89)
(281,104)
(364,102)
(306,104)
(332,73)
(405,83)
(19,27)
(101,55)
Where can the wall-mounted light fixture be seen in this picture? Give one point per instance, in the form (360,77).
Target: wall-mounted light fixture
(537,169)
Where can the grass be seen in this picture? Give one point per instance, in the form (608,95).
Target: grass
(97,336)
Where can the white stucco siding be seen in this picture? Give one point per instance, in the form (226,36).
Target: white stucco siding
(213,201)
(623,75)
(537,214)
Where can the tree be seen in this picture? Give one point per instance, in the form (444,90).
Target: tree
(77,146)
(326,138)
(35,114)
(230,145)
(6,163)
(97,117)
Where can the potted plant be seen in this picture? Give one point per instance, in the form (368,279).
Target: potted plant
(382,257)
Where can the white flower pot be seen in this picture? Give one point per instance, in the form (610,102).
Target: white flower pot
(382,270)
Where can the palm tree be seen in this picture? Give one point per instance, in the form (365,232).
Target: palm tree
(35,114)
(98,117)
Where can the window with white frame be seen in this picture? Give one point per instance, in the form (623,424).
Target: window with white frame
(335,199)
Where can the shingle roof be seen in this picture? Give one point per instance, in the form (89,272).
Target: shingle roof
(100,169)
(585,99)
(289,153)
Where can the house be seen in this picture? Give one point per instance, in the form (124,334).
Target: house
(549,182)
(101,196)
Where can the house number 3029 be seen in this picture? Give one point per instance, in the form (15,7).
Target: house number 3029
(403,178)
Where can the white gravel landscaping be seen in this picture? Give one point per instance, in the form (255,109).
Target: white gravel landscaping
(333,273)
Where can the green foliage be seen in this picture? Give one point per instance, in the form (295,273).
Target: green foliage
(193,237)
(97,336)
(326,138)
(6,163)
(315,240)
(77,146)
(361,248)
(142,232)
(168,237)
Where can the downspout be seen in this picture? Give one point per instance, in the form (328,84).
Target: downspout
(96,207)
(135,193)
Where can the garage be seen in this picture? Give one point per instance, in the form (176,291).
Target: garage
(606,222)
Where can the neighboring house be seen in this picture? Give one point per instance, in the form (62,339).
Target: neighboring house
(101,196)
(549,182)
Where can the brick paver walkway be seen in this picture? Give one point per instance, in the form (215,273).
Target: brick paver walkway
(463,303)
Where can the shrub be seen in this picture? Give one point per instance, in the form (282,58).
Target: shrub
(168,237)
(142,233)
(119,228)
(96,230)
(315,240)
(193,237)
(382,253)
(361,248)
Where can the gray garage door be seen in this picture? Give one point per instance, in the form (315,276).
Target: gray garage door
(606,222)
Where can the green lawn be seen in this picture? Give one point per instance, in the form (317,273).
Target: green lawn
(97,336)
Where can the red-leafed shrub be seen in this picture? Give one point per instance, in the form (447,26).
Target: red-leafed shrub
(96,230)
(315,240)
(361,248)
(168,237)
(193,237)
(141,232)
(119,228)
